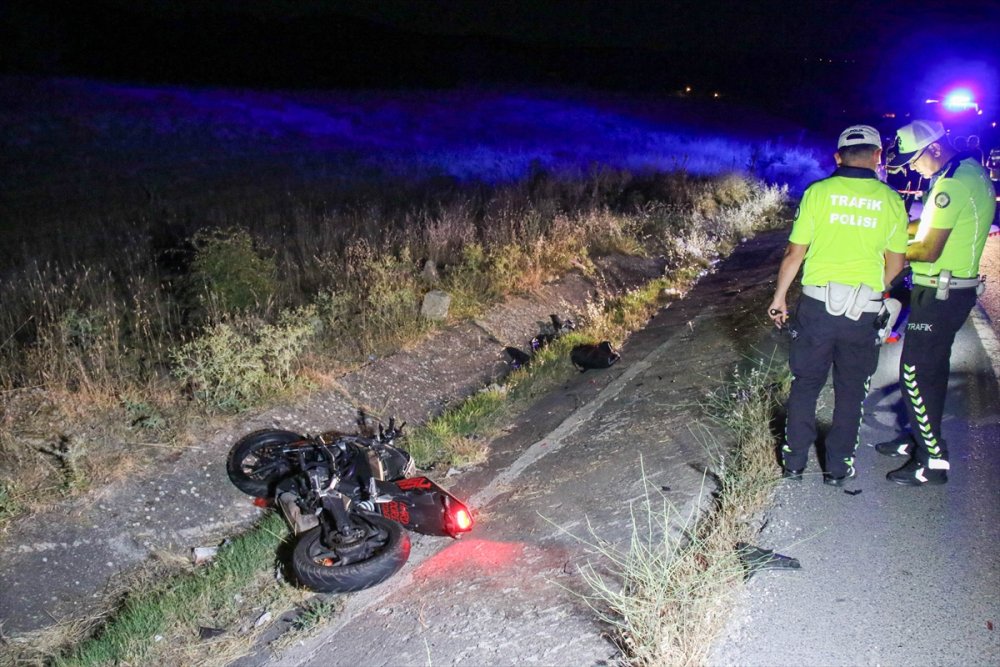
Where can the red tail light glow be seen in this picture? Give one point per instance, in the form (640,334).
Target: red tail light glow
(261,502)
(463,520)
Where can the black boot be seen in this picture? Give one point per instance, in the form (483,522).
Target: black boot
(901,446)
(837,480)
(915,473)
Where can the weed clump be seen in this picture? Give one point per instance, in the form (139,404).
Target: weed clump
(667,591)
(229,275)
(233,365)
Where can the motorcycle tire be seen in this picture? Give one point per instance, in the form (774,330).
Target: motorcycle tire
(326,576)
(249,466)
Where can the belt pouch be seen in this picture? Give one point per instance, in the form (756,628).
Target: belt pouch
(943,286)
(862,298)
(839,298)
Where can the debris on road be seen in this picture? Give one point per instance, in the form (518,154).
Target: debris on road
(202,555)
(591,355)
(755,559)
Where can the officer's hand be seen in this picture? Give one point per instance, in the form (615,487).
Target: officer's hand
(778,312)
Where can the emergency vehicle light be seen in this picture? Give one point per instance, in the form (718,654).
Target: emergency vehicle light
(960,100)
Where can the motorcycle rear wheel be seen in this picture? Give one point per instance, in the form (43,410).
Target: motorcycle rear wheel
(255,465)
(316,567)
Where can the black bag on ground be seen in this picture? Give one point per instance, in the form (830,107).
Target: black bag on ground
(591,355)
(518,358)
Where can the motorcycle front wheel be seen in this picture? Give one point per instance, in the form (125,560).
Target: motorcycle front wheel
(256,464)
(318,567)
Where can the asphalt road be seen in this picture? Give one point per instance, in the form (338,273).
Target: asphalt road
(892,575)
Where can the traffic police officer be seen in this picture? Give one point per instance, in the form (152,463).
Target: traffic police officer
(850,231)
(944,255)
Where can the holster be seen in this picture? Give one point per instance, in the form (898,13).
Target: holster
(848,301)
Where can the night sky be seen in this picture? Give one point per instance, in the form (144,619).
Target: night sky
(792,55)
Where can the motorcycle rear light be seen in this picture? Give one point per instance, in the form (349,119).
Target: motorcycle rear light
(462,520)
(261,502)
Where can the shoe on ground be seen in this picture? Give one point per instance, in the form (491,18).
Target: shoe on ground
(915,473)
(901,446)
(795,475)
(837,480)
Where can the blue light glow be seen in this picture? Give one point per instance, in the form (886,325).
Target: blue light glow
(960,100)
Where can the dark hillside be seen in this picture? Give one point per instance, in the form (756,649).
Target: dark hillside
(225,45)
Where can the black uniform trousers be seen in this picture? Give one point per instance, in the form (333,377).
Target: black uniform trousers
(926,362)
(820,341)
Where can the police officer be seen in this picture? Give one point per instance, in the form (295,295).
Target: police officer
(944,255)
(850,231)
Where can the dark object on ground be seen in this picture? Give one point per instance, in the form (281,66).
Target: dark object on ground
(590,355)
(518,359)
(559,327)
(755,559)
(852,493)
(794,475)
(210,633)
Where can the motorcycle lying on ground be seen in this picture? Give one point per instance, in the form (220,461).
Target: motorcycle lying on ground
(347,498)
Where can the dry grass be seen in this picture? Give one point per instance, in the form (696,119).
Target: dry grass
(667,593)
(231,318)
(159,620)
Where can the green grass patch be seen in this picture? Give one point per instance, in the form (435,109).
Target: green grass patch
(458,436)
(179,605)
(10,503)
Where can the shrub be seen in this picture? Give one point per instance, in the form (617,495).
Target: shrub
(229,275)
(233,365)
